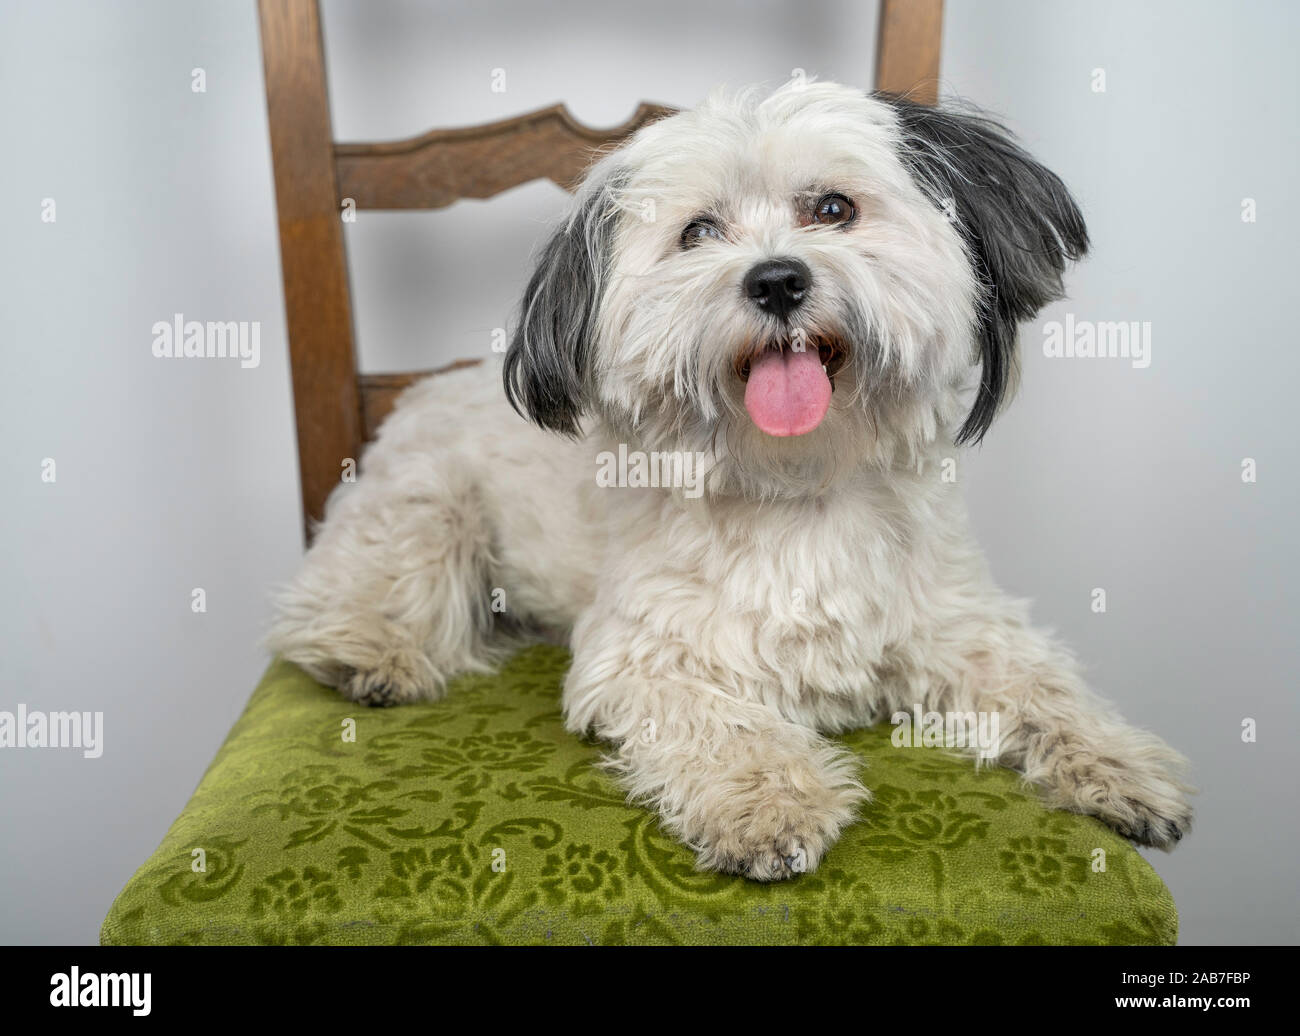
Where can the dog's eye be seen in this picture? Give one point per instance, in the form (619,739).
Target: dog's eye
(834,209)
(699,230)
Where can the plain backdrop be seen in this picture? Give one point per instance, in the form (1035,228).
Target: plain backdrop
(172,476)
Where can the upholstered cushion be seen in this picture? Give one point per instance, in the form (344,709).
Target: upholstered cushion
(480,820)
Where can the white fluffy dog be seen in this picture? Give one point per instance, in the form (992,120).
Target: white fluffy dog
(763,318)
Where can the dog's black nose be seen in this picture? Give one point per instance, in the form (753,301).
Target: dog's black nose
(777,286)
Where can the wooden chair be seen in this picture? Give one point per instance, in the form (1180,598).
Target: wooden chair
(337,408)
(401,836)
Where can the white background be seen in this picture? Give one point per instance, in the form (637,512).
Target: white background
(175,475)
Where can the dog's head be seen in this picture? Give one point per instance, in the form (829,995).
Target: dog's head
(795,286)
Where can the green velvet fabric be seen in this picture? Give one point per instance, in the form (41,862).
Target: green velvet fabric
(480,820)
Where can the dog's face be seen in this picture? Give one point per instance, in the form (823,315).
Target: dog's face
(795,287)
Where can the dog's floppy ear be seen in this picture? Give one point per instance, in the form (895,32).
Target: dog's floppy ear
(1019,222)
(546,364)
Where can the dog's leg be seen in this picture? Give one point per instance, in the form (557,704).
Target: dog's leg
(1053,729)
(748,791)
(392,597)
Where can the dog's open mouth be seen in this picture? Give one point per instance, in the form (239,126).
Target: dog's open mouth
(832,353)
(788,387)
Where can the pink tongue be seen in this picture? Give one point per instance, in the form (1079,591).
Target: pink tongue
(788,392)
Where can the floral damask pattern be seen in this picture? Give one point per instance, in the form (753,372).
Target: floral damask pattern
(479,819)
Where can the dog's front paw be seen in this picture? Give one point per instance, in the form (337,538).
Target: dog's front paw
(1141,795)
(775,821)
(768,852)
(396,678)
(1161,827)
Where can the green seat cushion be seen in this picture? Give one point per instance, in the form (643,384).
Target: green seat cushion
(479,819)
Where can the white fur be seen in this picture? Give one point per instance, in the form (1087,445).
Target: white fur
(821,583)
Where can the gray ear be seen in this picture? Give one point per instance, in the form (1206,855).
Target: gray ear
(546,364)
(1019,221)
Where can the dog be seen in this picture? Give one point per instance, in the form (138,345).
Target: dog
(778,312)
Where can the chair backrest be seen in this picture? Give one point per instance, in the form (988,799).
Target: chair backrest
(337,408)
